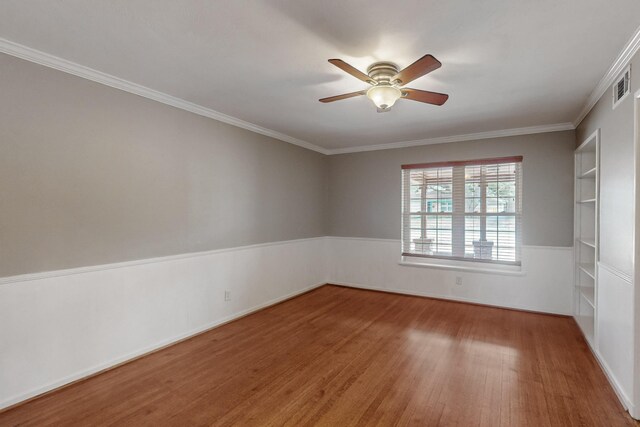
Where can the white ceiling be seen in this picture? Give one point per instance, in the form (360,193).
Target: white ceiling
(506,63)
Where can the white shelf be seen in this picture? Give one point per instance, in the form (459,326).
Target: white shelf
(587,201)
(589,269)
(588,242)
(589,294)
(590,145)
(590,174)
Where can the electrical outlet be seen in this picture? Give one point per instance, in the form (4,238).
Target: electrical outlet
(458,281)
(227,295)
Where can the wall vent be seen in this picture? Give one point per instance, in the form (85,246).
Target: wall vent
(621,87)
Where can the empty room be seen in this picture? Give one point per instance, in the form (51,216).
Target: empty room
(319,213)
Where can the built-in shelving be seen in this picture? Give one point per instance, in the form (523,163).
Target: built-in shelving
(591,173)
(588,242)
(586,235)
(588,294)
(589,269)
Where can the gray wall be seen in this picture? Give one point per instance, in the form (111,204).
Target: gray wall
(92,175)
(616,172)
(364,188)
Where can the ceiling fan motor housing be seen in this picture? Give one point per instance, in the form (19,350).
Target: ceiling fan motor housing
(382,72)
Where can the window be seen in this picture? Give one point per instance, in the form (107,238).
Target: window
(466,210)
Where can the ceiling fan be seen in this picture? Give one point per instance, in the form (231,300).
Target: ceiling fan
(387,83)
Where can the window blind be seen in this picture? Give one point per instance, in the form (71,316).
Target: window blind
(467,210)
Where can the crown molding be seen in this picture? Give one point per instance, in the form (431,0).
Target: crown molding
(51,61)
(24,52)
(618,66)
(457,138)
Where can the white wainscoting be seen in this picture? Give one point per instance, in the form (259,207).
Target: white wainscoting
(60,326)
(614,332)
(545,285)
(56,327)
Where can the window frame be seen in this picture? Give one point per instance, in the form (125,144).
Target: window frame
(458,217)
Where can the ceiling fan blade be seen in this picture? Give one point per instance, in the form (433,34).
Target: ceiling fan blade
(422,66)
(343,96)
(353,71)
(434,98)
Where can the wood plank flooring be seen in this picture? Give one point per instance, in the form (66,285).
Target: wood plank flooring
(345,357)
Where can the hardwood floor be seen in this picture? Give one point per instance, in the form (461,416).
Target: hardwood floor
(342,357)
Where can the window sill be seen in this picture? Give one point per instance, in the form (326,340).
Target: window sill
(505,270)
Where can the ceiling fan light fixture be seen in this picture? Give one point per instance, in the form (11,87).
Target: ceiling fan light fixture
(389,83)
(384,96)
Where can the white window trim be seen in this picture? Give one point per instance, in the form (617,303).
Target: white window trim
(462,266)
(468,265)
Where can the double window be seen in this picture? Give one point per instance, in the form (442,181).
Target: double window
(466,210)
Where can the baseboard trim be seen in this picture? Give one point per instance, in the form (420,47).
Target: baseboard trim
(447,298)
(622,397)
(123,360)
(617,389)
